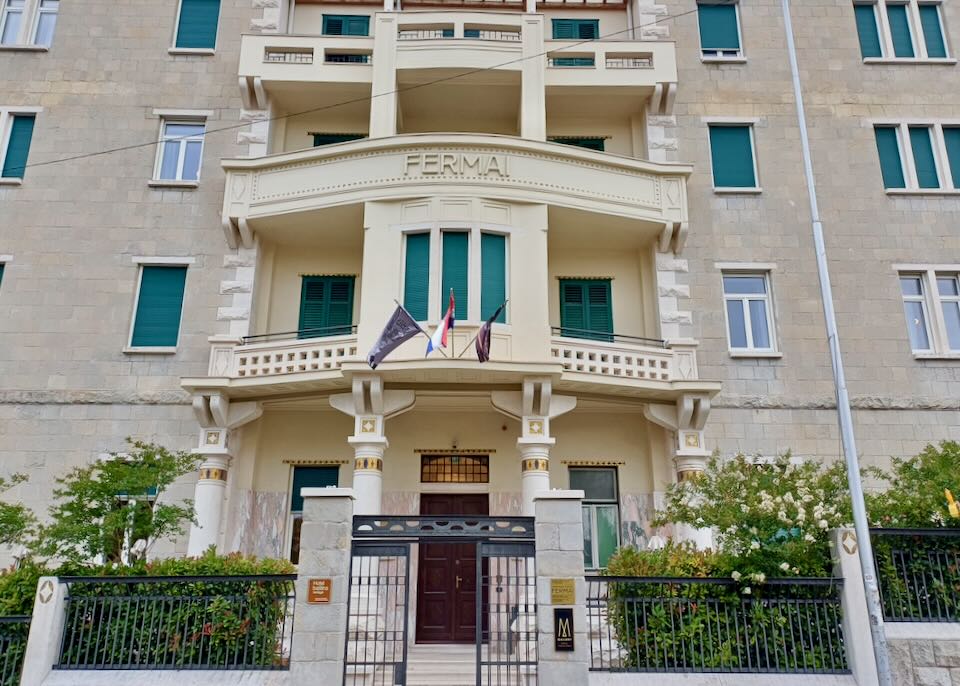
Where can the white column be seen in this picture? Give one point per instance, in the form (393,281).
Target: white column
(368,471)
(210,491)
(534,467)
(533,102)
(383,105)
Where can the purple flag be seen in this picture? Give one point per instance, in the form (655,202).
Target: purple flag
(401,327)
(483,336)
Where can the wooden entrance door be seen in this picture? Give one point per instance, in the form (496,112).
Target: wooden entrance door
(447,588)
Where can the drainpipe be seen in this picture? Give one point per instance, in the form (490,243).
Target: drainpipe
(845,416)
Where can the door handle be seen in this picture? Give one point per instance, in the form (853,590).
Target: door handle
(459,579)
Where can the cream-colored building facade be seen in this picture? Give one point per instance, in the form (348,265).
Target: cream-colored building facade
(395,150)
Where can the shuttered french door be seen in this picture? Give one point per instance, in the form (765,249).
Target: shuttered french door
(326,306)
(586,309)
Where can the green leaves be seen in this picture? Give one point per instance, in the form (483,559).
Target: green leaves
(16,520)
(913,494)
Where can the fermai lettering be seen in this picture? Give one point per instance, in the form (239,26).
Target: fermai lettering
(456,164)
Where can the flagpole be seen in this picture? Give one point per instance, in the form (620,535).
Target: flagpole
(477,334)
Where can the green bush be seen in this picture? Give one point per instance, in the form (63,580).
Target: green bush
(914,492)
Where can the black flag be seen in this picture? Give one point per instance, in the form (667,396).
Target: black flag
(401,327)
(483,336)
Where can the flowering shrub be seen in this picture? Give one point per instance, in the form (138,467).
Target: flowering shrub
(918,492)
(769,519)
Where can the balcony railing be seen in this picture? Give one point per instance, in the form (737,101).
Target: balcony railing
(612,354)
(640,624)
(288,55)
(919,574)
(300,334)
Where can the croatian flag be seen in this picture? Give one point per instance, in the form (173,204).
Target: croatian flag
(439,337)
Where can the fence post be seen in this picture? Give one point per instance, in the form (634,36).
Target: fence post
(856,619)
(46,631)
(559,540)
(320,627)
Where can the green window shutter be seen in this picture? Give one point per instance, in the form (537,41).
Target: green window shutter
(471,33)
(588,142)
(346,25)
(18,147)
(157,321)
(416,276)
(326,306)
(923,158)
(331,138)
(900,30)
(2,265)
(932,32)
(890,164)
(456,269)
(951,136)
(732,153)
(198,23)
(493,275)
(311,477)
(867,30)
(573,62)
(570,29)
(718,27)
(586,309)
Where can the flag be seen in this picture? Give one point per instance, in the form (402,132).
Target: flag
(400,327)
(483,337)
(439,337)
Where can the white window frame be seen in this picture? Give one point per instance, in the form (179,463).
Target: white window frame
(174,50)
(36,21)
(755,271)
(750,123)
(907,164)
(142,262)
(6,126)
(437,301)
(932,304)
(29,23)
(711,55)
(916,32)
(189,120)
(594,537)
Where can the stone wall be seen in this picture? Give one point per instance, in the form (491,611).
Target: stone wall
(924,654)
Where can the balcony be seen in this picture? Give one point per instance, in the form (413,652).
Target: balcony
(611,63)
(475,40)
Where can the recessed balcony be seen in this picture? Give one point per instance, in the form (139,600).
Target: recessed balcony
(641,65)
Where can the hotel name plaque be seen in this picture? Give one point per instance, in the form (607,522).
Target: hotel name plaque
(562,592)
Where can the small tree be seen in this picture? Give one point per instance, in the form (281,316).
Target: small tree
(107,507)
(915,489)
(16,520)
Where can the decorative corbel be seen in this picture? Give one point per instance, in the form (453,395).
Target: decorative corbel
(673,237)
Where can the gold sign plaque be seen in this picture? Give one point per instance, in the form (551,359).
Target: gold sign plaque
(318,590)
(562,592)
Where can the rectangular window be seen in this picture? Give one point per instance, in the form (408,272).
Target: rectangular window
(416,275)
(924,161)
(951,140)
(456,272)
(932,30)
(17,145)
(586,309)
(46,22)
(156,322)
(591,143)
(915,309)
(948,291)
(326,306)
(868,30)
(197,25)
(576,29)
(719,29)
(899,21)
(749,312)
(346,25)
(931,305)
(891,165)
(11,18)
(601,513)
(331,138)
(493,275)
(181,150)
(306,477)
(455,469)
(731,150)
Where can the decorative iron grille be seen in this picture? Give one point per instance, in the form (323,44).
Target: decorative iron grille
(419,527)
(918,571)
(506,615)
(376,650)
(189,622)
(455,469)
(640,624)
(13,646)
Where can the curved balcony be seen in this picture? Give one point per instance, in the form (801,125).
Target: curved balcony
(418,165)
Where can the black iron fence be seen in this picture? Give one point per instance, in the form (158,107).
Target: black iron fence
(13,646)
(918,571)
(640,624)
(197,622)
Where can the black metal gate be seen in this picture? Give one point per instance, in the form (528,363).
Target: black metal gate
(379,600)
(506,614)
(376,650)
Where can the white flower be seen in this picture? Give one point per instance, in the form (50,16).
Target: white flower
(796,570)
(823,524)
(699,520)
(744,508)
(754,545)
(753,530)
(936,518)
(735,576)
(809,538)
(759,577)
(785,566)
(747,590)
